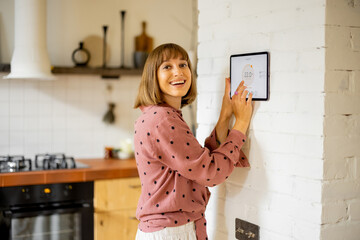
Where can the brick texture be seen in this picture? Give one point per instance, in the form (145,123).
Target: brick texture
(303,143)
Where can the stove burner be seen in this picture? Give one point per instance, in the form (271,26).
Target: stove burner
(54,161)
(42,162)
(14,163)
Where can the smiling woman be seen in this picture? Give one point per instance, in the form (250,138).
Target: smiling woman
(174,169)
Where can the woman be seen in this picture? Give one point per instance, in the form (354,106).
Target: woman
(174,169)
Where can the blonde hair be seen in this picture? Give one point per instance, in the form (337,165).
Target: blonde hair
(149,92)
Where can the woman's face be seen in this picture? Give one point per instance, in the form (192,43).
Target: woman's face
(174,78)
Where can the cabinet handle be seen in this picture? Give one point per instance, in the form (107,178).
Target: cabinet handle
(135,186)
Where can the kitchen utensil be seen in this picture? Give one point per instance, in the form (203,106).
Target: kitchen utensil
(143,46)
(143,42)
(109,116)
(104,46)
(122,14)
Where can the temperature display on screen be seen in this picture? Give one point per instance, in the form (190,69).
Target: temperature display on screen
(253,69)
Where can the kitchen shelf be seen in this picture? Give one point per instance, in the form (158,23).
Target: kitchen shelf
(104,72)
(99,71)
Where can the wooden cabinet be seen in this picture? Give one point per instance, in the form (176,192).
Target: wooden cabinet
(116,225)
(115,206)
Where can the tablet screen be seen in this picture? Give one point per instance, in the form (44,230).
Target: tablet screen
(253,69)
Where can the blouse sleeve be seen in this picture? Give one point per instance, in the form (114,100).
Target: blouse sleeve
(173,144)
(210,141)
(211,144)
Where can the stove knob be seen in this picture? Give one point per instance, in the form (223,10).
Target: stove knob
(47,190)
(26,192)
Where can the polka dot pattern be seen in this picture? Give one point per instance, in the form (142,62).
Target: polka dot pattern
(163,141)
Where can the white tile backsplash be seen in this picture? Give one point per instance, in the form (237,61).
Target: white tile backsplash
(4,140)
(73,95)
(31,109)
(31,93)
(59,108)
(59,141)
(4,123)
(59,122)
(45,108)
(16,140)
(16,109)
(65,115)
(45,94)
(4,91)
(45,123)
(16,123)
(31,143)
(16,91)
(4,109)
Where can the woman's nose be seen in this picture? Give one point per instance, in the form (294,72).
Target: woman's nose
(177,71)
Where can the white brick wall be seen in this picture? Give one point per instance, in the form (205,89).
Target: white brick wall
(341,188)
(303,144)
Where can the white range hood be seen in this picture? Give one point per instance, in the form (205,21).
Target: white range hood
(30,58)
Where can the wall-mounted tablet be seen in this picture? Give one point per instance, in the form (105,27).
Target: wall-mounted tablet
(253,68)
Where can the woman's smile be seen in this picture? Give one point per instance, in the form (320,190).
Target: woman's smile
(179,82)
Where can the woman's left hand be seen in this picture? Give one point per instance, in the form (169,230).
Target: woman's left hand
(226,108)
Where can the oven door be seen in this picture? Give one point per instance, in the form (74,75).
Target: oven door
(48,222)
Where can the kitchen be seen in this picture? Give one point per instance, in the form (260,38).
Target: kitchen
(302,144)
(53,124)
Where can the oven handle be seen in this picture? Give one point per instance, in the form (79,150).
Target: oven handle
(47,210)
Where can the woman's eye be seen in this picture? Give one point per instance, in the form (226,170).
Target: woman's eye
(166,67)
(183,65)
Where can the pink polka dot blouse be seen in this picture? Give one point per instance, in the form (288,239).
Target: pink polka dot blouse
(175,170)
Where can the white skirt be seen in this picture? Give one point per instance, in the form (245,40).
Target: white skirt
(184,232)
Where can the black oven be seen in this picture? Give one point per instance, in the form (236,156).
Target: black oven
(47,212)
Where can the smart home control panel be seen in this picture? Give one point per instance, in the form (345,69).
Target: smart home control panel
(253,68)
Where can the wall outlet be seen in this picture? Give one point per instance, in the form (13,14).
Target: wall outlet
(246,231)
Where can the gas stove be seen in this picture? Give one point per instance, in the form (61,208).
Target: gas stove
(46,161)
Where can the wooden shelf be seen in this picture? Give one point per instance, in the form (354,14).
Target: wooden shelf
(98,71)
(104,72)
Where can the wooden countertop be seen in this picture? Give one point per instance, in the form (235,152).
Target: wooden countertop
(98,169)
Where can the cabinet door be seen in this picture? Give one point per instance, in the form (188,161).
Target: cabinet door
(117,194)
(116,225)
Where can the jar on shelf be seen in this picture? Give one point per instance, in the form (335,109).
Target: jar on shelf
(81,56)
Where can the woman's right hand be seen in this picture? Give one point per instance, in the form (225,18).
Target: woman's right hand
(242,108)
